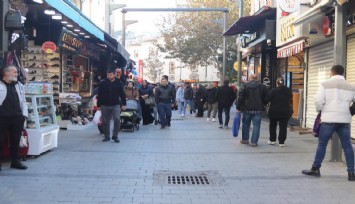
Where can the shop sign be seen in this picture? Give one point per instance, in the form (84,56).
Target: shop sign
(287,28)
(70,41)
(194,76)
(289,6)
(90,50)
(266,73)
(245,40)
(49,47)
(140,71)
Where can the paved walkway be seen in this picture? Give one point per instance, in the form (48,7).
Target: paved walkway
(85,170)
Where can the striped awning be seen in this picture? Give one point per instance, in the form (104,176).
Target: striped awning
(291,49)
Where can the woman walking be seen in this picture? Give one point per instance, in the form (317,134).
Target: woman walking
(146,92)
(181,100)
(280,111)
(200,99)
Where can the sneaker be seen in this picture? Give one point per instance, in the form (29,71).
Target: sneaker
(182,115)
(281,145)
(220,126)
(314,171)
(208,119)
(244,141)
(271,143)
(226,126)
(18,165)
(213,120)
(162,127)
(254,145)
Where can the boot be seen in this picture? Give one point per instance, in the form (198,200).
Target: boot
(314,171)
(18,165)
(351,176)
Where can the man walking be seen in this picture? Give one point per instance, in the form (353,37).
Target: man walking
(13,113)
(251,99)
(332,100)
(225,98)
(165,99)
(189,96)
(108,100)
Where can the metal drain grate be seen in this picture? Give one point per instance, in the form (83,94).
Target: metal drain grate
(201,178)
(188,180)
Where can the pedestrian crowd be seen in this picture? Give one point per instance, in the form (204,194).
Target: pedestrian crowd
(153,104)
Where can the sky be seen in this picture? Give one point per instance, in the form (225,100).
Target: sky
(146,20)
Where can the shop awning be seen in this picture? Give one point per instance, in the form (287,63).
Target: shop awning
(312,12)
(250,24)
(69,10)
(291,49)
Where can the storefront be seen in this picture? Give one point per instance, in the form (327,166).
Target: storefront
(257,40)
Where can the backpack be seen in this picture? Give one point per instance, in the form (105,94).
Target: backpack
(13,20)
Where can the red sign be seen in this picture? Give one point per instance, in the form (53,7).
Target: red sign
(140,71)
(326,26)
(49,47)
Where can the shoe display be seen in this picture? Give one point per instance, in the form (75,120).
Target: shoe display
(271,143)
(314,171)
(55,77)
(351,175)
(33,78)
(54,59)
(18,165)
(56,82)
(32,65)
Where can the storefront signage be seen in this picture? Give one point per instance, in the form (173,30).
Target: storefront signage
(289,6)
(194,76)
(245,40)
(287,29)
(140,71)
(70,41)
(90,50)
(266,75)
(49,47)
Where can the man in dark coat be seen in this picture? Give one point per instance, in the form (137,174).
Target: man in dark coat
(225,97)
(251,101)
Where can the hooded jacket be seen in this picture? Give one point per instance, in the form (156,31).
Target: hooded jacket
(212,95)
(252,96)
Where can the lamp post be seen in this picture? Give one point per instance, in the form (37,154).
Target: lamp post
(239,55)
(111,8)
(125,23)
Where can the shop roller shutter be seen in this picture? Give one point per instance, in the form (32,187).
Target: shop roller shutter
(320,61)
(350,70)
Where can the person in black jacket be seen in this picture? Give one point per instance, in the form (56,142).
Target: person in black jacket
(165,100)
(251,101)
(279,112)
(212,104)
(108,100)
(144,92)
(200,100)
(226,97)
(189,98)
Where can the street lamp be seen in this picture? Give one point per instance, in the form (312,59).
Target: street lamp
(111,8)
(125,23)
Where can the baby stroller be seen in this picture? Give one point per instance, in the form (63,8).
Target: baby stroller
(129,117)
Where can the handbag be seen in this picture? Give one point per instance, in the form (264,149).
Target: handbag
(352,109)
(13,20)
(316,126)
(149,101)
(236,124)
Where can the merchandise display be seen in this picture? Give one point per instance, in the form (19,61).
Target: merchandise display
(41,123)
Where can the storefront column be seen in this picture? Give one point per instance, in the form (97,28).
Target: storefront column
(339,59)
(4,7)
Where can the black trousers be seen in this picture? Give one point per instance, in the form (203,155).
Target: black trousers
(226,110)
(282,129)
(11,126)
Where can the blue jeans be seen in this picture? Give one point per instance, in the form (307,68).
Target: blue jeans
(325,133)
(182,108)
(247,119)
(164,110)
(191,104)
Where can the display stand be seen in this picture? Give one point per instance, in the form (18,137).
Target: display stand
(41,124)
